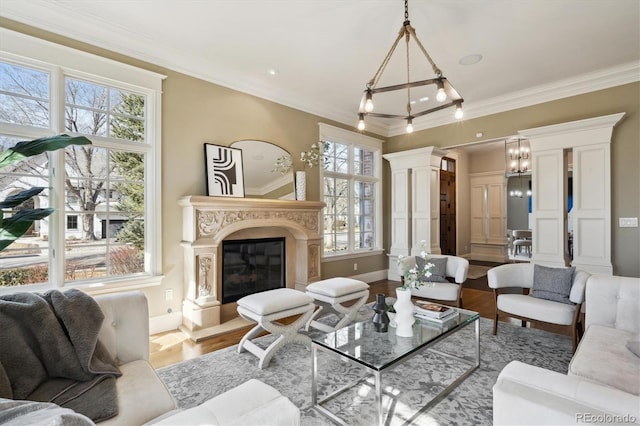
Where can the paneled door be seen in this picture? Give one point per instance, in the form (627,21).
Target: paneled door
(448,206)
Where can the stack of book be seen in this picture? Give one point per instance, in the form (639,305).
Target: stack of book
(434,312)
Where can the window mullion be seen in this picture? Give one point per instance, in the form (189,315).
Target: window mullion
(56,183)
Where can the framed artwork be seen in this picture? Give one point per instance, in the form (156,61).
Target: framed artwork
(224,171)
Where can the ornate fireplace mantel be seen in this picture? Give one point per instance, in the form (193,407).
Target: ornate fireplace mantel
(207,221)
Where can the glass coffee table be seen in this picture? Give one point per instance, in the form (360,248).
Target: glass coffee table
(377,352)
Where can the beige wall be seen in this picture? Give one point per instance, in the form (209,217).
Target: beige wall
(625,152)
(195,112)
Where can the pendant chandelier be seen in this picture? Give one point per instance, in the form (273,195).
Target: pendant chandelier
(445,95)
(517,153)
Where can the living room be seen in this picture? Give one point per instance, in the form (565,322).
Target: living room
(195,111)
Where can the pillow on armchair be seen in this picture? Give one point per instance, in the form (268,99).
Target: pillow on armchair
(439,270)
(553,283)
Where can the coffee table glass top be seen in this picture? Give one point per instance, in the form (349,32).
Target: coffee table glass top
(361,343)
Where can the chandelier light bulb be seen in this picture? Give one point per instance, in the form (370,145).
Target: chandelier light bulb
(441,96)
(459,114)
(361,122)
(409,125)
(368,105)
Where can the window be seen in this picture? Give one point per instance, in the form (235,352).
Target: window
(102,231)
(72,222)
(351,190)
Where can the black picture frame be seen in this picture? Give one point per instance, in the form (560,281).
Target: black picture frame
(225,175)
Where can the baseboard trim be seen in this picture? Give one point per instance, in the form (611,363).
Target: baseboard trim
(370,277)
(166,322)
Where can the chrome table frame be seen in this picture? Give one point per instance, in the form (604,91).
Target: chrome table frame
(377,376)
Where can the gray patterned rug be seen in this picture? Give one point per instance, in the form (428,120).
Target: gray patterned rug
(413,383)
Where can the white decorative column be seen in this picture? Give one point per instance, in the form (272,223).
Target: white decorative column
(415,207)
(590,140)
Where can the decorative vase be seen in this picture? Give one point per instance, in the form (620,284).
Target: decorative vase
(380,318)
(301,185)
(404,313)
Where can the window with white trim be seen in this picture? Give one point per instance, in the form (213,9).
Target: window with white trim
(105,228)
(351,191)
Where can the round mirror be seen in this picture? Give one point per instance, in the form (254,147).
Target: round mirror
(262,176)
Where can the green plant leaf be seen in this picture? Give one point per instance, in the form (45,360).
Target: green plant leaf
(25,149)
(13,227)
(21,197)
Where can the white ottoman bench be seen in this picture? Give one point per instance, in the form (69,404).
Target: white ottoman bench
(336,292)
(251,403)
(266,308)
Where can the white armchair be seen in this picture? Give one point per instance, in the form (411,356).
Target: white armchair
(525,307)
(449,292)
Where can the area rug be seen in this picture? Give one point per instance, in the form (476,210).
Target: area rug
(413,383)
(477,271)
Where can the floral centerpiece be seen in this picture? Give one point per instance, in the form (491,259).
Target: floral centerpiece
(413,277)
(417,275)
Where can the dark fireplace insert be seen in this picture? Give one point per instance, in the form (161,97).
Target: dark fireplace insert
(252,266)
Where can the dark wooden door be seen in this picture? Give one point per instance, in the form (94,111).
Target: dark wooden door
(448,206)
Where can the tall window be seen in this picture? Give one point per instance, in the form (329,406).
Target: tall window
(102,230)
(351,191)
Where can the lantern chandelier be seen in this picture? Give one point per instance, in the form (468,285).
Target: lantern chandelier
(446,95)
(517,162)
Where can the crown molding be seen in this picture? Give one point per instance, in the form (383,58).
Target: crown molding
(127,42)
(578,85)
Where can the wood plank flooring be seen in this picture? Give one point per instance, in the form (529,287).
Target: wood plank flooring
(173,346)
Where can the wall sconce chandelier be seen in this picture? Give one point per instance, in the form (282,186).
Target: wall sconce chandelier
(446,95)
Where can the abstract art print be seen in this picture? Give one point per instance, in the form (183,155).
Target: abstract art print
(224,171)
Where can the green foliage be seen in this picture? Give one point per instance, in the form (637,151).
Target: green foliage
(25,149)
(13,227)
(130,166)
(21,276)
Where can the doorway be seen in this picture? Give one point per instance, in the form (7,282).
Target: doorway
(448,206)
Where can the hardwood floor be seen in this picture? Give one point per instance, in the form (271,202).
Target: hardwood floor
(173,346)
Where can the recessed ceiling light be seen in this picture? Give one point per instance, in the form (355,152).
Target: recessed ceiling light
(424,99)
(470,59)
(272,71)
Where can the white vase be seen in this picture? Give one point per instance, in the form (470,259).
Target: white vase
(301,185)
(404,313)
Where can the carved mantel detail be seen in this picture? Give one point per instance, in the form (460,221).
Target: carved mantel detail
(208,221)
(211,222)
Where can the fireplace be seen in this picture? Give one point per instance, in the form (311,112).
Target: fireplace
(209,223)
(252,266)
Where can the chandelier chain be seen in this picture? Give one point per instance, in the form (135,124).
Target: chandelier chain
(407,38)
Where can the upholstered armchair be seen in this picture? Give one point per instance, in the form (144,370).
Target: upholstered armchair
(563,311)
(448,292)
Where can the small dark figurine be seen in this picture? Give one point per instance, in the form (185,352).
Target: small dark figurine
(380,318)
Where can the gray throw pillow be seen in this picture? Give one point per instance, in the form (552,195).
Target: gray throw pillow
(552,283)
(633,345)
(439,270)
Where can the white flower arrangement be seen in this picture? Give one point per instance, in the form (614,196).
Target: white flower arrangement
(416,276)
(312,157)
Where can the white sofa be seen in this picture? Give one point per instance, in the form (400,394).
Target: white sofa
(603,381)
(142,396)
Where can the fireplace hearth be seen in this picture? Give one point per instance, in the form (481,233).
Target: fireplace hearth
(252,266)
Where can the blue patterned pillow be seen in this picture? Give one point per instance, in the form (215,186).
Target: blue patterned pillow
(553,283)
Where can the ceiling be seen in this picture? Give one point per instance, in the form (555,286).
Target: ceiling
(324,51)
